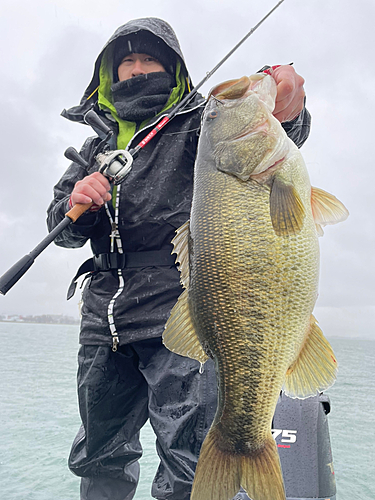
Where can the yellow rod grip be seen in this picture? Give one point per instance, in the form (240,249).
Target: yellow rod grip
(79,209)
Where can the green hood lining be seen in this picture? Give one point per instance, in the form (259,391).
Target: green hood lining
(127,129)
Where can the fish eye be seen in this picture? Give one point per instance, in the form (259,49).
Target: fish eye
(212,115)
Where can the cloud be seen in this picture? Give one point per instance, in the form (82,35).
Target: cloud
(357,322)
(48,65)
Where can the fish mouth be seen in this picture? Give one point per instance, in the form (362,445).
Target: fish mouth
(269,170)
(249,131)
(231,89)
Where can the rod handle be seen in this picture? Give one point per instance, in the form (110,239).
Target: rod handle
(13,274)
(79,209)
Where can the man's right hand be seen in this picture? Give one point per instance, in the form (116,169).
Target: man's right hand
(94,187)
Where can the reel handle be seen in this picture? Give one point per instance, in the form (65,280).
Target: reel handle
(73,155)
(95,122)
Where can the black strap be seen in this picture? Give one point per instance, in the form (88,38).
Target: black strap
(108,261)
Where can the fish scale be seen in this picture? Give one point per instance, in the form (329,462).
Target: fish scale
(243,304)
(249,260)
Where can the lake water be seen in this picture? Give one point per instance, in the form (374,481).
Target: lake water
(39,416)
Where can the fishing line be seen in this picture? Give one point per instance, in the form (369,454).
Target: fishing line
(134,152)
(116,165)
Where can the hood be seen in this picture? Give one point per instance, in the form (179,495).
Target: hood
(96,94)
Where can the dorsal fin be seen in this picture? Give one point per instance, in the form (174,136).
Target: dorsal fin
(181,248)
(180,335)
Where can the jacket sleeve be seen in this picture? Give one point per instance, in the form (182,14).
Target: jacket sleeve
(298,129)
(77,233)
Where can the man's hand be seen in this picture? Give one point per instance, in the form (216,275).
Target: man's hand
(94,187)
(290,93)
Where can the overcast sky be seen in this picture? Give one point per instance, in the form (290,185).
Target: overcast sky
(48,52)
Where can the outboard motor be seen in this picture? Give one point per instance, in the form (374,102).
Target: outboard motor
(300,428)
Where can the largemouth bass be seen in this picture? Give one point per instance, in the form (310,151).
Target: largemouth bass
(249,262)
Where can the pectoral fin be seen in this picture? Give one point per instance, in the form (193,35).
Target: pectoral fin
(326,209)
(286,208)
(180,335)
(315,368)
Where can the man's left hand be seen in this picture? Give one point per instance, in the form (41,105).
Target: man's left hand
(290,93)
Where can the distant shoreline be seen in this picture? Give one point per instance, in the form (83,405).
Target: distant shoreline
(72,322)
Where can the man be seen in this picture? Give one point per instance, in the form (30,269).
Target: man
(125,374)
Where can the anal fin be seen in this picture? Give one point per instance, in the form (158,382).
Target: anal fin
(315,368)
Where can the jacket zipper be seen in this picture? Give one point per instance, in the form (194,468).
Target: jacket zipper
(115,237)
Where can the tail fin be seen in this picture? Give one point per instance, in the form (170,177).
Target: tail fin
(261,474)
(220,475)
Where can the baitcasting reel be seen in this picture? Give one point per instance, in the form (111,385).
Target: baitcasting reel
(115,165)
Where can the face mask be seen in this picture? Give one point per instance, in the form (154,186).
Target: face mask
(142,96)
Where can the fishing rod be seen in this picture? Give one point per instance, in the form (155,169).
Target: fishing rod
(134,152)
(115,165)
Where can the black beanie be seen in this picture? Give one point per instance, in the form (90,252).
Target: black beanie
(143,42)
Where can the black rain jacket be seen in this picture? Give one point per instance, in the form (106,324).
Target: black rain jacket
(154,200)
